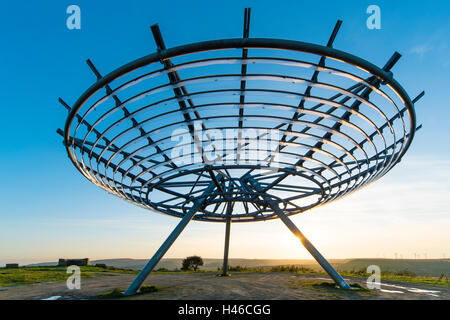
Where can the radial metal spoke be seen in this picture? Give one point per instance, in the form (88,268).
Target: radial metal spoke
(346,116)
(127,113)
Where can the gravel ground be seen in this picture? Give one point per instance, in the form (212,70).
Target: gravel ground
(239,286)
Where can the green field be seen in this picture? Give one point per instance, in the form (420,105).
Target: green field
(30,275)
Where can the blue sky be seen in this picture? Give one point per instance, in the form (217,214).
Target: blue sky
(49,210)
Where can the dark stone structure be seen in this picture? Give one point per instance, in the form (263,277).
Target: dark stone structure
(12,266)
(73,262)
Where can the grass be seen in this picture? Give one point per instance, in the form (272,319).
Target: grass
(30,275)
(117,293)
(113,294)
(148,289)
(400,276)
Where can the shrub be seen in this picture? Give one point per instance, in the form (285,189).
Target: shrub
(192,263)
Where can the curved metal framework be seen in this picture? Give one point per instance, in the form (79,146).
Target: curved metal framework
(341,123)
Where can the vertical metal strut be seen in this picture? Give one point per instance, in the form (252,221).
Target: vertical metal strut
(227,239)
(136,284)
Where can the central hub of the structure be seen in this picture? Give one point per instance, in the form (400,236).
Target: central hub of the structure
(236,189)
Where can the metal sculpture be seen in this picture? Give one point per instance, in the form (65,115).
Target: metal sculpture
(339,122)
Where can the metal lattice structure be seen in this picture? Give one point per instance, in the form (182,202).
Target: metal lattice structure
(340,123)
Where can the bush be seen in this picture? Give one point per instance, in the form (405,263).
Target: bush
(192,263)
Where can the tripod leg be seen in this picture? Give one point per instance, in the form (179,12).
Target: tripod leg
(308,245)
(136,284)
(227,246)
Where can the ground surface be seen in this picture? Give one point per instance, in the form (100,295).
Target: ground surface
(238,286)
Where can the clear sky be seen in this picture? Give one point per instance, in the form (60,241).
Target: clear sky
(48,210)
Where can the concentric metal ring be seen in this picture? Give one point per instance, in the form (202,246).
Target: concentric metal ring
(340,126)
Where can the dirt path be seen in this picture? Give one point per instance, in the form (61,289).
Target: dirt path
(239,286)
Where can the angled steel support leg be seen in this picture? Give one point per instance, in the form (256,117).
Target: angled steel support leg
(308,245)
(137,282)
(227,241)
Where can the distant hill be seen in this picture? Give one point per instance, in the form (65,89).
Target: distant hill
(209,264)
(429,267)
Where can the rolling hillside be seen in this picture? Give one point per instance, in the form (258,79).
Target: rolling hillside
(429,267)
(209,264)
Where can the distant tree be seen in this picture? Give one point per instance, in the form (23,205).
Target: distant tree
(192,263)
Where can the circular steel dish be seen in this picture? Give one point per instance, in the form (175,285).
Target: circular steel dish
(336,123)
